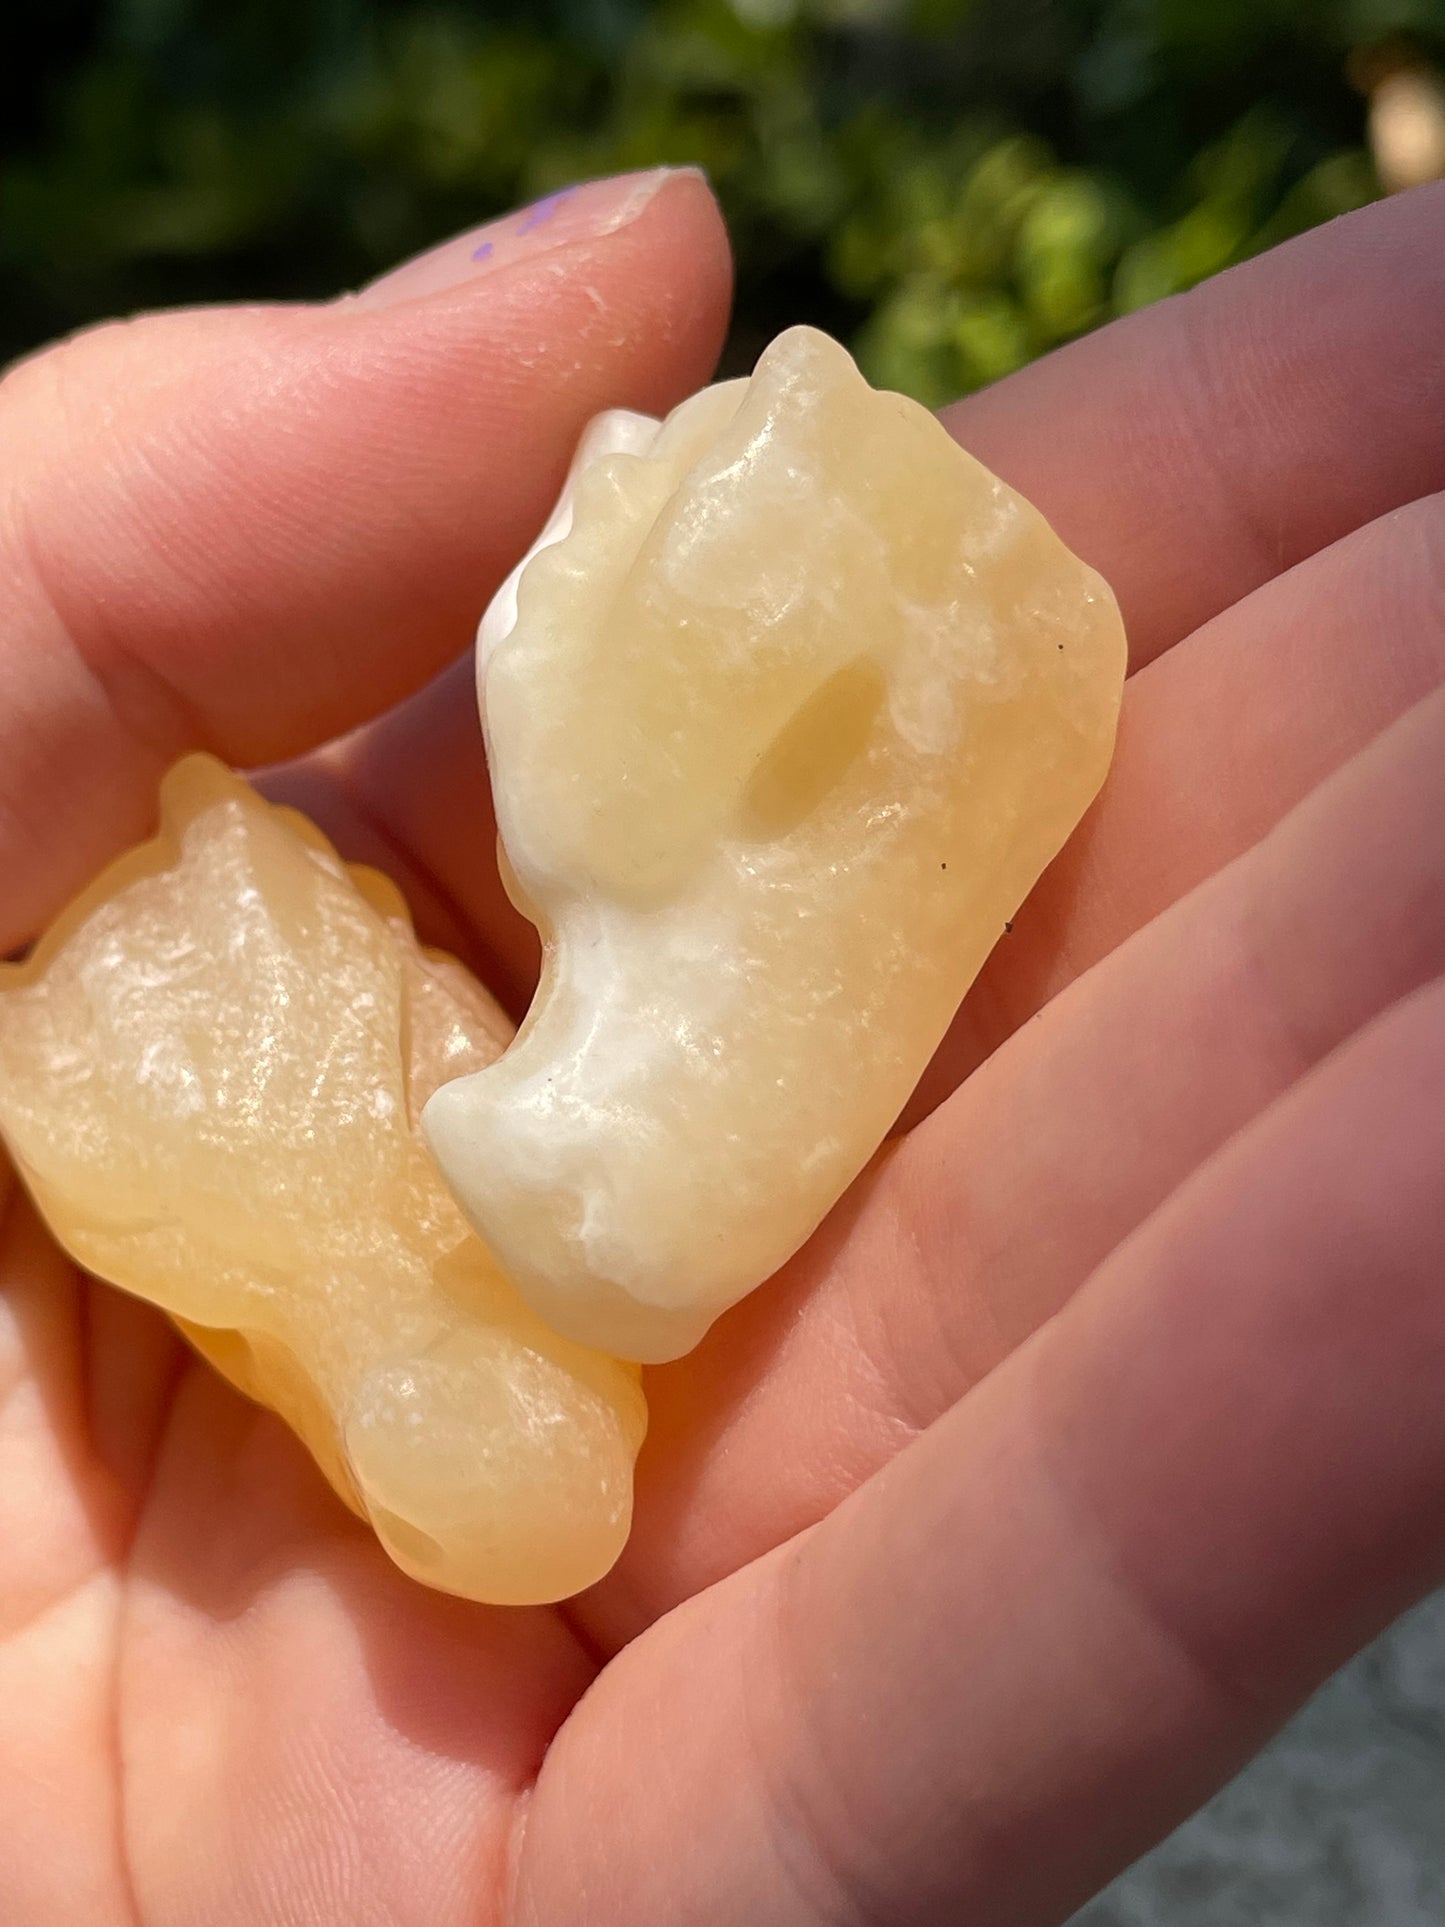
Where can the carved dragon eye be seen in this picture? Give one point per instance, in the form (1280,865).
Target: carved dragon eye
(813,752)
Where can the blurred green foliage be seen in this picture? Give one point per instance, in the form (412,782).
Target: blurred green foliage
(953,185)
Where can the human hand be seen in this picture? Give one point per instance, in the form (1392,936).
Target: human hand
(1099,1422)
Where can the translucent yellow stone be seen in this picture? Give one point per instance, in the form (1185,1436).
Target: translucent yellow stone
(210,1073)
(786,713)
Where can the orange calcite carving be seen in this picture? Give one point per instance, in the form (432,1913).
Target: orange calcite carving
(786,712)
(210,1075)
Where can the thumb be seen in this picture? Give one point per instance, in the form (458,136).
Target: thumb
(249,529)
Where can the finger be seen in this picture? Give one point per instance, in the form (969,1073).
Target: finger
(1197,448)
(1017,1657)
(982,1224)
(67,1506)
(1218,740)
(248,529)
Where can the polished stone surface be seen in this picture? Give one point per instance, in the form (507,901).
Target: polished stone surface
(1340,1823)
(785,717)
(210,1073)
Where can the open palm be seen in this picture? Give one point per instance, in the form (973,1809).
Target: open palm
(1100,1421)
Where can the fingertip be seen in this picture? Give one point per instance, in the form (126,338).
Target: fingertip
(687,223)
(635,307)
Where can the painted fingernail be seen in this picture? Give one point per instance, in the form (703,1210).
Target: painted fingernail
(586,212)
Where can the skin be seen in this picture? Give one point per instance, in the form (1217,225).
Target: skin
(1100,1422)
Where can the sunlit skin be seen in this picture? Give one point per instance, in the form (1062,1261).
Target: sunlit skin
(1097,1425)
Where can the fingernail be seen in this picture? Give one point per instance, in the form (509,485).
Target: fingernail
(582,213)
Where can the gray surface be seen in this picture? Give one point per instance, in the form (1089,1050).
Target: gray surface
(1340,1823)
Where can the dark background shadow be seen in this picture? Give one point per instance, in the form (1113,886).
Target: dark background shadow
(951,185)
